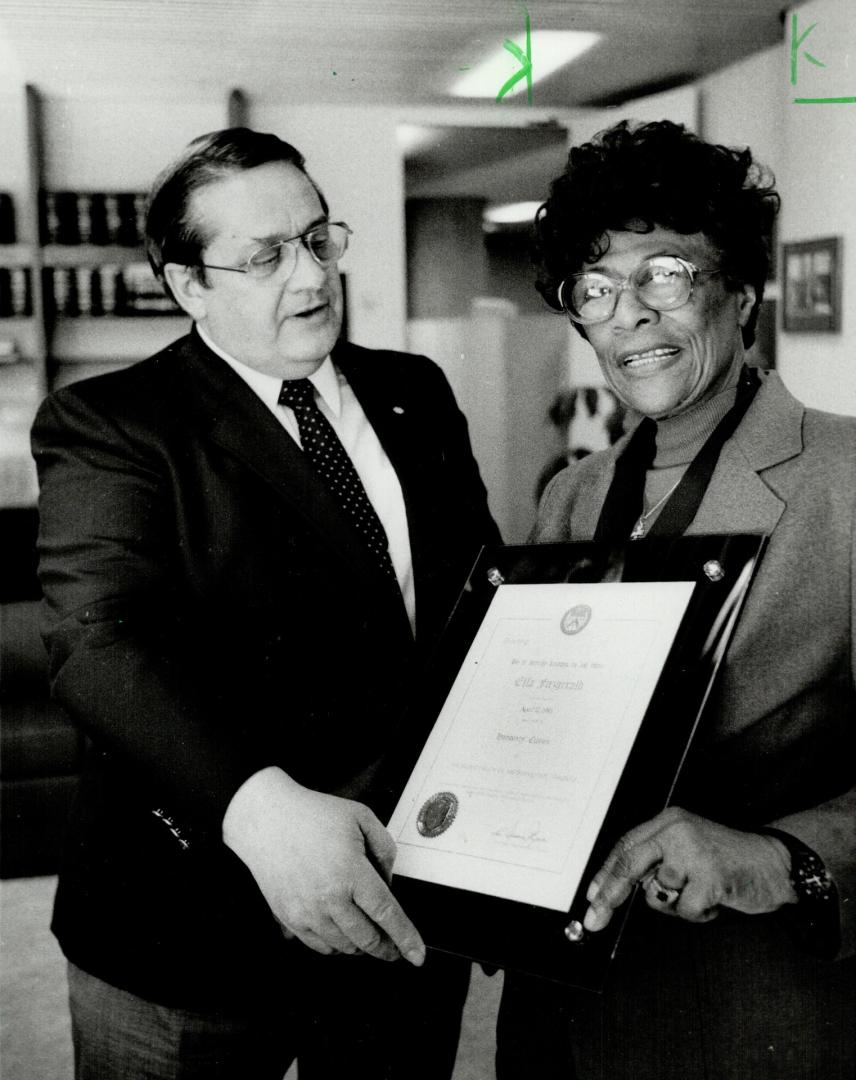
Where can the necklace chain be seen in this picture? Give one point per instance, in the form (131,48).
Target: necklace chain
(639,527)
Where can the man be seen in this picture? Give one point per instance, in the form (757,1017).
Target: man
(238,538)
(656,245)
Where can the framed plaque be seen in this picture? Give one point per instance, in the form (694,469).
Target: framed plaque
(561,704)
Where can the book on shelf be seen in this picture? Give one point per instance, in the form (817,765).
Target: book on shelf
(16,298)
(93,217)
(8,233)
(109,289)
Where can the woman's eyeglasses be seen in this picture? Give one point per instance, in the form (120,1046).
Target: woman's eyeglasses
(664,282)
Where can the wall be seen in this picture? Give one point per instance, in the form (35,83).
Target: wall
(742,106)
(446,261)
(354,156)
(505,369)
(819,196)
(812,151)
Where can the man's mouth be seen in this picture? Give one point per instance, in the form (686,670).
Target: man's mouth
(648,356)
(309,312)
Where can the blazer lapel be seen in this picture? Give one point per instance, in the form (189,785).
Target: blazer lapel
(234,418)
(392,413)
(387,407)
(741,496)
(404,427)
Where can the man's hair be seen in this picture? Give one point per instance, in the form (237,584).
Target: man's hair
(637,177)
(173,233)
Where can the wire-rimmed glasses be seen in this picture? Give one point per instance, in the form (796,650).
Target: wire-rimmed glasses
(326,243)
(663,282)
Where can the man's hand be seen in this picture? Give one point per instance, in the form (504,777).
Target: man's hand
(314,857)
(696,867)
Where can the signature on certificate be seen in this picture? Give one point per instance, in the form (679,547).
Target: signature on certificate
(524,835)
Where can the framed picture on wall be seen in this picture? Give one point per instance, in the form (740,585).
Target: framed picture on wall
(812,285)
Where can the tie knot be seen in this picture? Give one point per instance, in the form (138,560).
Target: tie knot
(296,392)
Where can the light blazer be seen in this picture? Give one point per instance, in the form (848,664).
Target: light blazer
(779,742)
(211,611)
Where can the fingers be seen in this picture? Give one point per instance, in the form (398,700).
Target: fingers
(690,867)
(320,862)
(372,896)
(694,903)
(634,856)
(371,922)
(323,937)
(662,888)
(380,846)
(683,899)
(354,937)
(314,942)
(367,920)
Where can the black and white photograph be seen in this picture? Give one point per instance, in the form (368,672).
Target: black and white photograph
(428,530)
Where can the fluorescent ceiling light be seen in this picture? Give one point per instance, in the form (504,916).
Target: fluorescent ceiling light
(550,50)
(510,213)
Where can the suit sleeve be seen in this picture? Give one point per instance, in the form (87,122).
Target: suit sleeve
(118,629)
(830,829)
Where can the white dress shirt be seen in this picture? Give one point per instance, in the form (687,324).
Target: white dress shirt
(340,406)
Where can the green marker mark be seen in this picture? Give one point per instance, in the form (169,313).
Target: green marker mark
(795,44)
(525,61)
(796,40)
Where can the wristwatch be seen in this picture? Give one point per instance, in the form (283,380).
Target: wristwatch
(814,919)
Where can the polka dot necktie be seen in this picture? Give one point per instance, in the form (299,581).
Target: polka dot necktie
(330,459)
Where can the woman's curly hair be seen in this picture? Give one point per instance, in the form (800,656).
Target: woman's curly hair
(637,177)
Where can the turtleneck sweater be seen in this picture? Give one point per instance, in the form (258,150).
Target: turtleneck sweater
(681,436)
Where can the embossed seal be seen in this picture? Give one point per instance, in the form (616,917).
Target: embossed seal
(576,619)
(437,814)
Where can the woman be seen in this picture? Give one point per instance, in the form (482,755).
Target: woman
(656,246)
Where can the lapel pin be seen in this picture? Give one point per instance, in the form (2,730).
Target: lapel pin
(398,410)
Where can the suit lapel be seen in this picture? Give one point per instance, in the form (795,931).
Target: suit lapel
(387,406)
(403,425)
(233,417)
(391,411)
(740,498)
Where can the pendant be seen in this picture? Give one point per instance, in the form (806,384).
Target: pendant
(638,530)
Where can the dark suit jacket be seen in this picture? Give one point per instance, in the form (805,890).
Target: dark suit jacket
(210,611)
(734,998)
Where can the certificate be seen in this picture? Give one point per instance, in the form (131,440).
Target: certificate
(520,769)
(559,708)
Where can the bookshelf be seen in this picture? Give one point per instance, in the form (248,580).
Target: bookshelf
(77,296)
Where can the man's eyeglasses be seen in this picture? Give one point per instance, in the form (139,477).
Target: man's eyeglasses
(326,243)
(663,283)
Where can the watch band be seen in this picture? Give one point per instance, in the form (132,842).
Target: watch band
(815,917)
